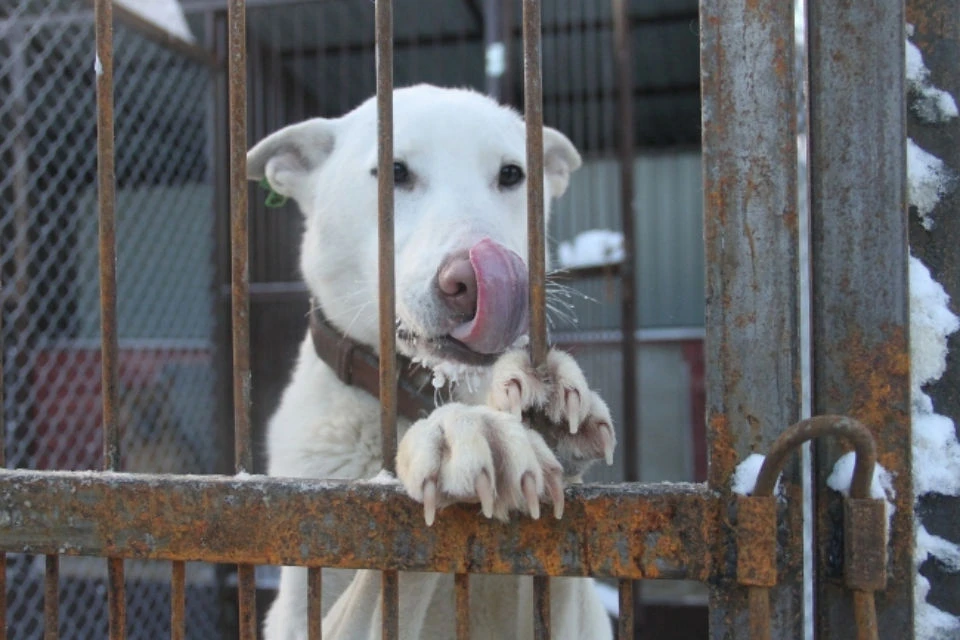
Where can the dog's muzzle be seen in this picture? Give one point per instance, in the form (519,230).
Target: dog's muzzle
(485,288)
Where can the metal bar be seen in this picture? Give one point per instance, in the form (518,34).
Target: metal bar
(224,519)
(247,601)
(461,588)
(388,338)
(240,281)
(178,599)
(541,608)
(314,603)
(752,245)
(936,33)
(390,580)
(116,601)
(390,602)
(106,190)
(625,625)
(536,240)
(860,362)
(51,598)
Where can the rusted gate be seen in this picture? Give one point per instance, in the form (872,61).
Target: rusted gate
(749,550)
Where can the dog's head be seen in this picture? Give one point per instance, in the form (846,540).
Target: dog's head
(460,217)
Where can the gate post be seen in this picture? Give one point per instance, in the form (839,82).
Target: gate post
(752,348)
(860,363)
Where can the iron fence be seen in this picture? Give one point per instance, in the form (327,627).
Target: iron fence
(741,547)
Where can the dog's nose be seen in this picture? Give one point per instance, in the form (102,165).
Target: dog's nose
(457,281)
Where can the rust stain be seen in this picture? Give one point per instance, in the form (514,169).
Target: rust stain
(723,454)
(878,374)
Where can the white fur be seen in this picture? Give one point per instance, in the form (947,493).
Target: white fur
(454,142)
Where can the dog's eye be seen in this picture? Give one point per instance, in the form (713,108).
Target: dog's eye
(510,176)
(401,174)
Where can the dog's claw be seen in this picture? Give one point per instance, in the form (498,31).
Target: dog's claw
(529,487)
(514,397)
(555,490)
(429,501)
(572,398)
(484,491)
(606,435)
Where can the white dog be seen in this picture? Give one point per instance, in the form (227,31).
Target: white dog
(460,214)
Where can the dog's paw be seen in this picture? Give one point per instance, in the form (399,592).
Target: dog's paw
(463,453)
(582,427)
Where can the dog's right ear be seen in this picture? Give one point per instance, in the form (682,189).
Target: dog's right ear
(287,157)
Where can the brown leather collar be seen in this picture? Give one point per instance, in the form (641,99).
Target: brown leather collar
(358,366)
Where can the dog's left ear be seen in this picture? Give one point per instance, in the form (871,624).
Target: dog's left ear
(286,158)
(560,159)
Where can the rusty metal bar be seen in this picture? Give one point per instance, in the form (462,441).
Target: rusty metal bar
(625,622)
(390,603)
(390,580)
(109,345)
(541,608)
(262,520)
(388,338)
(240,281)
(314,603)
(860,325)
(536,238)
(461,589)
(178,599)
(936,32)
(51,598)
(752,348)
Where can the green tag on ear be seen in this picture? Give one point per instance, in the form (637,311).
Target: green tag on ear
(274,200)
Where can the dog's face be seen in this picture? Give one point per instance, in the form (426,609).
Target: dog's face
(460,218)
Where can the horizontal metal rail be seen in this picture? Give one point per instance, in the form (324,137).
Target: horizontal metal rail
(623,531)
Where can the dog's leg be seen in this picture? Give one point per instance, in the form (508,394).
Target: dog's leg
(581,429)
(463,453)
(357,613)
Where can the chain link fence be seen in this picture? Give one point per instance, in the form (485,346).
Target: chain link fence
(50,290)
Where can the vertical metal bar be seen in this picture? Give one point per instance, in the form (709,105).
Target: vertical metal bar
(388,340)
(536,240)
(533,116)
(461,588)
(628,288)
(859,254)
(752,247)
(51,598)
(625,630)
(390,602)
(314,603)
(178,599)
(240,281)
(109,346)
(937,34)
(390,592)
(541,608)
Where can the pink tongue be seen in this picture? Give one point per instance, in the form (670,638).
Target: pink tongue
(501,315)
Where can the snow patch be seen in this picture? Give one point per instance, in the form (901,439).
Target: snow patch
(936,451)
(931,104)
(745,475)
(166,14)
(384,477)
(881,487)
(97,65)
(928,180)
(591,248)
